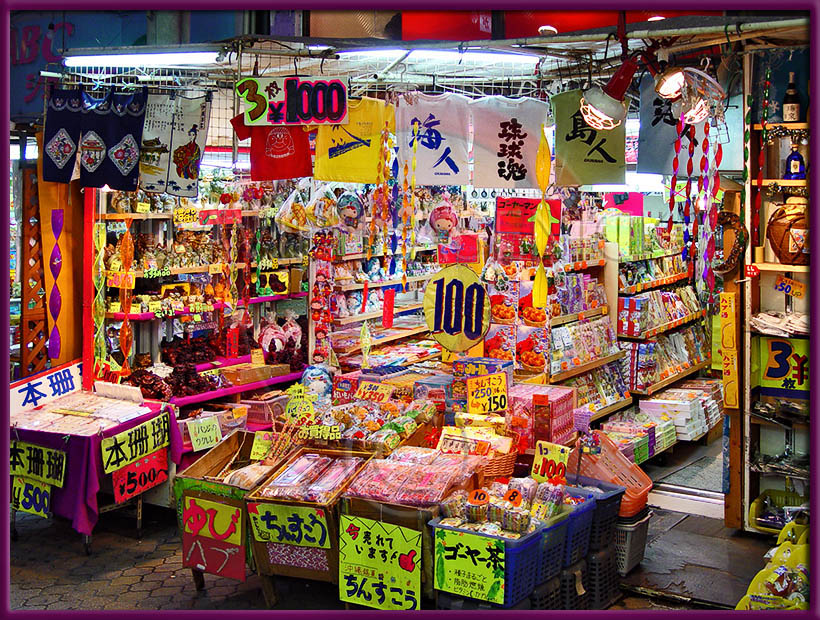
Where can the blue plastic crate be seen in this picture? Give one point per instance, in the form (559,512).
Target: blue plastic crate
(579,526)
(607,505)
(520,562)
(553,539)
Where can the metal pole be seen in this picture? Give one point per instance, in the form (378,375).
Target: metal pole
(234,141)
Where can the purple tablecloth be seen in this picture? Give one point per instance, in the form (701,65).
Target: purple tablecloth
(77,499)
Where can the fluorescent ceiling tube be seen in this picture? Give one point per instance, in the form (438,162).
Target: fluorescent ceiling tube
(162,59)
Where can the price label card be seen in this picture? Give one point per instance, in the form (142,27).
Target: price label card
(205,433)
(115,306)
(375,392)
(31,496)
(487,393)
(274,263)
(143,207)
(550,461)
(215,268)
(752,271)
(514,497)
(185,215)
(257,357)
(213,372)
(262,441)
(790,287)
(478,497)
(120,279)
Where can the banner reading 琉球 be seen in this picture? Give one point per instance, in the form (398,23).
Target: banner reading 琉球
(583,155)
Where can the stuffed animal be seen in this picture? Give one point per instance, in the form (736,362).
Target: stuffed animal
(350,209)
(319,380)
(338,306)
(354,302)
(374,304)
(373,270)
(443,220)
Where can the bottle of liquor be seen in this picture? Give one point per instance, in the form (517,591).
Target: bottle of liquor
(795,165)
(791,102)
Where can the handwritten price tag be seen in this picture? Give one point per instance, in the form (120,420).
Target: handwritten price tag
(120,279)
(487,394)
(790,287)
(375,392)
(185,215)
(257,357)
(115,306)
(550,461)
(262,441)
(215,268)
(274,263)
(155,307)
(205,433)
(143,207)
(514,497)
(478,497)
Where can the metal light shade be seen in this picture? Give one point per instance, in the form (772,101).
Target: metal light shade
(698,113)
(604,109)
(669,84)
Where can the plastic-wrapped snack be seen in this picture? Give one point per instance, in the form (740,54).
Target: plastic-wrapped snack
(421,411)
(414,454)
(451,522)
(497,489)
(493,529)
(250,476)
(515,520)
(525,486)
(403,425)
(453,506)
(548,500)
(296,476)
(390,409)
(333,478)
(355,437)
(463,465)
(380,480)
(425,485)
(384,440)
(495,511)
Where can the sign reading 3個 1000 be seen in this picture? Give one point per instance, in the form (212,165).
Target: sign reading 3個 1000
(293,101)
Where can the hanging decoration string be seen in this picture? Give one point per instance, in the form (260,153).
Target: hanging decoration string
(126,333)
(690,164)
(674,181)
(761,159)
(99,286)
(385,186)
(416,127)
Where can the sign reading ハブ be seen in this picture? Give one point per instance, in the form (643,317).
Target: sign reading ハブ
(372,391)
(470,565)
(213,536)
(379,564)
(31,496)
(302,526)
(550,461)
(457,308)
(124,448)
(141,475)
(45,387)
(205,432)
(728,350)
(37,463)
(293,101)
(487,394)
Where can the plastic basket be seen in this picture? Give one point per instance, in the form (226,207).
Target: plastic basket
(520,562)
(630,544)
(603,578)
(612,466)
(574,584)
(445,600)
(779,499)
(607,506)
(554,536)
(579,525)
(547,595)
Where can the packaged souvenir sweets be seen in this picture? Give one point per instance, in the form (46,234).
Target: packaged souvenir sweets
(297,474)
(250,476)
(548,500)
(380,480)
(475,513)
(413,454)
(515,520)
(332,480)
(526,486)
(383,440)
(425,485)
(453,506)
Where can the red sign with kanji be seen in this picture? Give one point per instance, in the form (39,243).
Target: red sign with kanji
(141,475)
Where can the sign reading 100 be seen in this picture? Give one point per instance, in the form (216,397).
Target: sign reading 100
(456,308)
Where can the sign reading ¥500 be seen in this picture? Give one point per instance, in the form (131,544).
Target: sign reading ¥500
(293,101)
(457,308)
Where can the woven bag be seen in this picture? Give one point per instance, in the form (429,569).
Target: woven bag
(788,234)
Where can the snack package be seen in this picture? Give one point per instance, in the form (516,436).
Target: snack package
(249,476)
(292,216)
(321,210)
(453,506)
(380,480)
(384,440)
(333,478)
(526,486)
(299,473)
(414,454)
(425,485)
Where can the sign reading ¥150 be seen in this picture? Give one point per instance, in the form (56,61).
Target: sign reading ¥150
(293,101)
(457,308)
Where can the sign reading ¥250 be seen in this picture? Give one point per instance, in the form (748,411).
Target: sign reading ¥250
(293,101)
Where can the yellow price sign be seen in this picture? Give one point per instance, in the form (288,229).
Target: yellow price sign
(115,306)
(205,433)
(303,526)
(215,268)
(374,392)
(155,307)
(257,357)
(487,393)
(31,496)
(185,215)
(790,287)
(143,207)
(550,461)
(262,441)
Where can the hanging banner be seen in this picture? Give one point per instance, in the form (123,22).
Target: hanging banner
(470,565)
(379,564)
(294,100)
(37,463)
(126,447)
(728,350)
(457,308)
(302,526)
(44,387)
(583,155)
(213,536)
(784,367)
(31,496)
(173,143)
(141,475)
(630,203)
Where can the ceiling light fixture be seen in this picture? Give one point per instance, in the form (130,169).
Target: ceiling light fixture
(669,83)
(148,59)
(547,30)
(604,109)
(656,18)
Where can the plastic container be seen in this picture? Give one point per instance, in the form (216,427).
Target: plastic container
(553,540)
(520,563)
(779,499)
(607,507)
(574,586)
(547,595)
(579,525)
(445,600)
(630,544)
(603,578)
(612,466)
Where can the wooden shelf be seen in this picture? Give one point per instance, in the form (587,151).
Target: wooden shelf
(778,267)
(762,422)
(399,335)
(358,318)
(579,370)
(645,286)
(579,316)
(581,265)
(359,287)
(341,258)
(181,401)
(670,380)
(137,216)
(783,182)
(759,127)
(621,404)
(689,318)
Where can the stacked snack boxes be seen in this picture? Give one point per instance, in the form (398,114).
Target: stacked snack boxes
(685,409)
(475,367)
(438,389)
(345,386)
(541,412)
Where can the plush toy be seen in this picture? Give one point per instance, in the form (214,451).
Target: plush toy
(374,304)
(373,270)
(318,379)
(350,209)
(354,302)
(443,220)
(338,306)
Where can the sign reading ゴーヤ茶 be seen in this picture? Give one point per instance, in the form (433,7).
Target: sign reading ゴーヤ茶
(457,308)
(470,565)
(379,564)
(293,101)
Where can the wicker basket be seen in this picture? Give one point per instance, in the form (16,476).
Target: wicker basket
(502,465)
(788,232)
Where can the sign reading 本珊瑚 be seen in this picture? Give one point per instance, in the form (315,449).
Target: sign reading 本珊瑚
(128,446)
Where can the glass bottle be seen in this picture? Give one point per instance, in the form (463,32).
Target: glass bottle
(791,102)
(795,165)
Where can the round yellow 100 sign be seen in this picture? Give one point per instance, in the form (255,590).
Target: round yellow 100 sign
(457,308)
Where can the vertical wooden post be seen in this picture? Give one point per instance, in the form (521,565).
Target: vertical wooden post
(89,208)
(33,319)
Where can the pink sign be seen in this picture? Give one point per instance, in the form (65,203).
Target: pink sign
(631,203)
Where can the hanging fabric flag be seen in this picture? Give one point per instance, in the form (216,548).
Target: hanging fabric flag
(173,143)
(583,155)
(443,133)
(505,141)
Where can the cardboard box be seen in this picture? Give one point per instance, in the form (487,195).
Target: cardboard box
(295,280)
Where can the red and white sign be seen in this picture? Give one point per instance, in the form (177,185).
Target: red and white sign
(141,475)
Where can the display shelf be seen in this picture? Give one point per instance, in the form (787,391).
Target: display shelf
(341,258)
(617,406)
(358,287)
(137,216)
(582,368)
(581,265)
(781,474)
(223,362)
(358,318)
(689,318)
(779,267)
(759,127)
(783,182)
(219,305)
(645,286)
(649,256)
(404,333)
(181,401)
(655,387)
(755,332)
(578,316)
(762,422)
